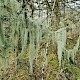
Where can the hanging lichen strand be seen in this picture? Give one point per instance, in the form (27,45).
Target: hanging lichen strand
(31,51)
(1,35)
(60,36)
(3,46)
(37,40)
(72,52)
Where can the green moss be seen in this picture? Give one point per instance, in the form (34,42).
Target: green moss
(77,71)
